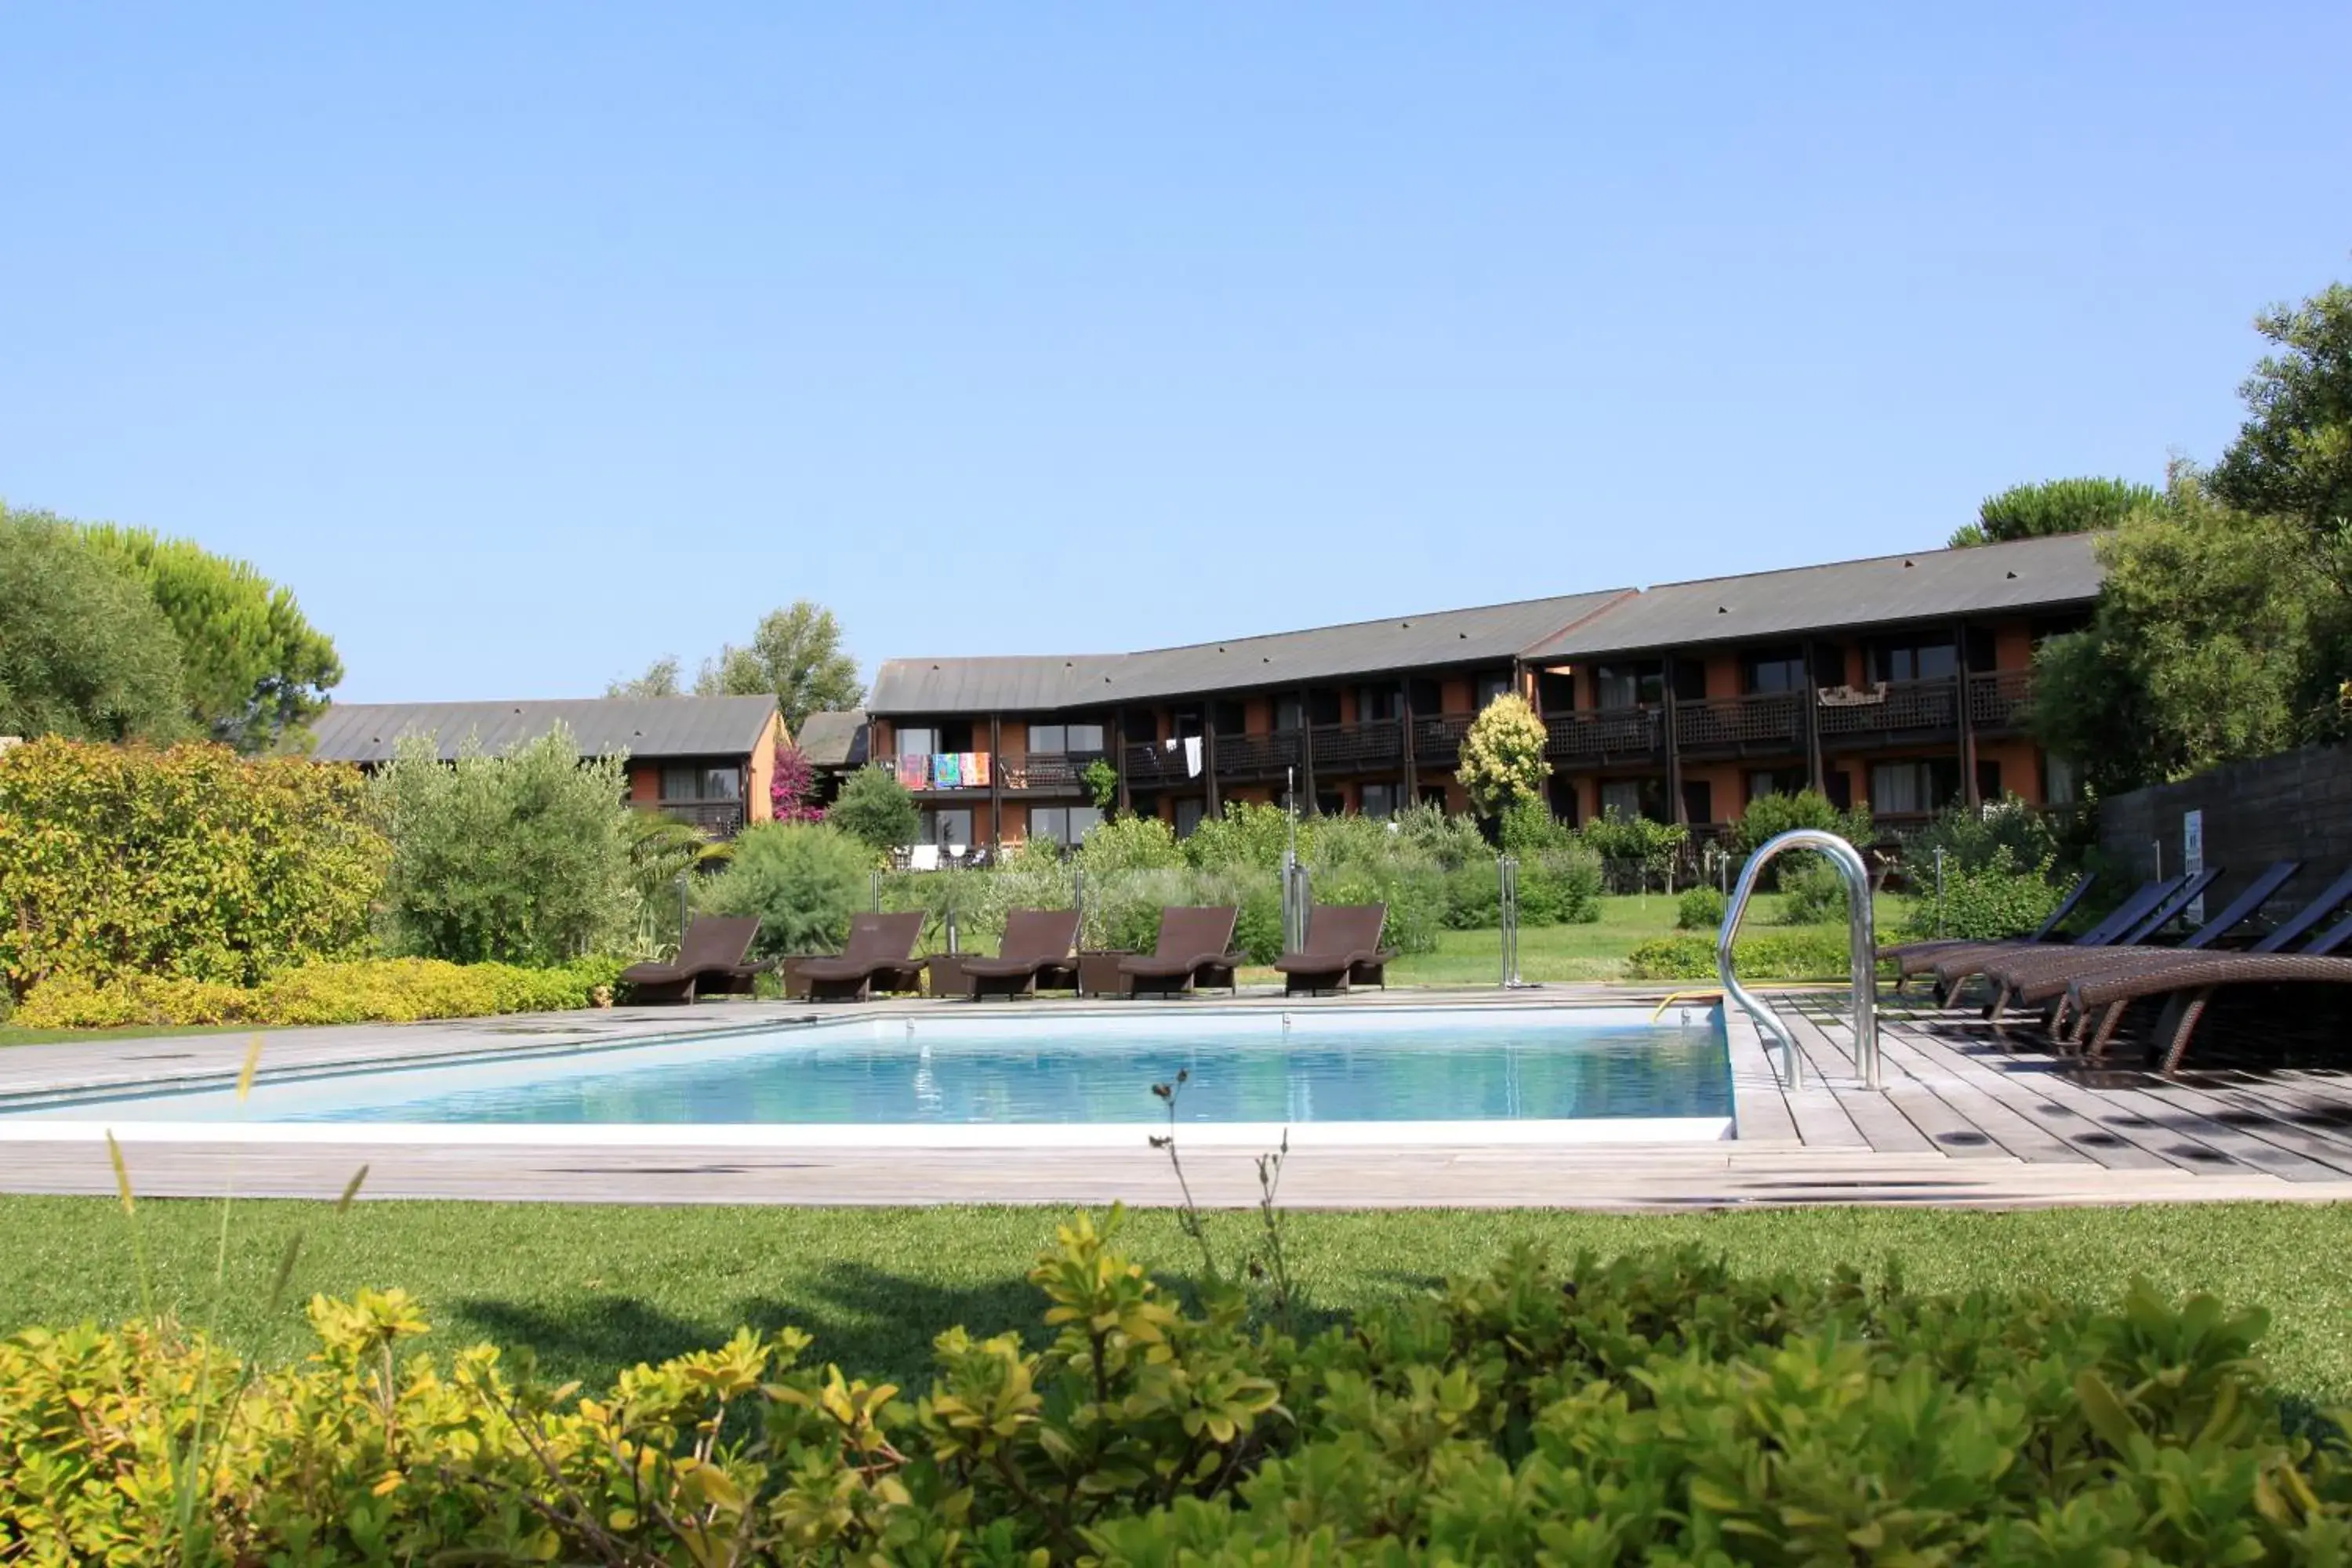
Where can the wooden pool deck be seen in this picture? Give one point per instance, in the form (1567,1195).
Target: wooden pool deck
(1962,1121)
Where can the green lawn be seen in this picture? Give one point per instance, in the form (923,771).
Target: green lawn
(1592,952)
(10,1036)
(597,1288)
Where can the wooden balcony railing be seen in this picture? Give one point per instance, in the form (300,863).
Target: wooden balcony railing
(1998,698)
(1148,765)
(716,818)
(1767,721)
(1606,733)
(1256,756)
(1438,742)
(1049,770)
(1893,707)
(1355,748)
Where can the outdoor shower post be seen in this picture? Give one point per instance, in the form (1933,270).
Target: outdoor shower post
(1507,904)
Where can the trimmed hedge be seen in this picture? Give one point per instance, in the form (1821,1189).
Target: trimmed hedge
(378,990)
(1776,955)
(191,863)
(1654,1409)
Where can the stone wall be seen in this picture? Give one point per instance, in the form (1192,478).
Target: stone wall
(2296,806)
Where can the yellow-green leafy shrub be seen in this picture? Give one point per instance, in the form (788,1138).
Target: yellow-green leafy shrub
(1776,955)
(377,990)
(1654,1409)
(192,863)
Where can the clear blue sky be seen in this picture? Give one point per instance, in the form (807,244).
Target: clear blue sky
(531,341)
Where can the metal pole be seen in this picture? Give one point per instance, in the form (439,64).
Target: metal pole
(1939,892)
(877,889)
(1507,904)
(1861,934)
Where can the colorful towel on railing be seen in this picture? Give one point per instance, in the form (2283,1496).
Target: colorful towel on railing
(946,770)
(975,769)
(914,770)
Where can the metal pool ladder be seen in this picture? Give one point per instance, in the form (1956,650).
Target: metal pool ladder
(1862,933)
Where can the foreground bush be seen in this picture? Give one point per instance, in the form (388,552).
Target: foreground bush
(1986,903)
(191,863)
(1769,955)
(382,990)
(1654,1409)
(803,879)
(1700,909)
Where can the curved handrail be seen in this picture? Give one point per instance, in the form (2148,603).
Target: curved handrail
(1860,933)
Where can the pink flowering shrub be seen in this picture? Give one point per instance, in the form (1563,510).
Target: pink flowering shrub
(792,792)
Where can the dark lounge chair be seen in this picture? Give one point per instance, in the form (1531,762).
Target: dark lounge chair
(1195,949)
(1343,949)
(2044,976)
(1035,949)
(2046,932)
(879,956)
(2140,916)
(1915,959)
(709,963)
(2191,982)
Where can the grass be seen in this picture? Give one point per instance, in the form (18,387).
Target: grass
(594,1288)
(1595,950)
(11,1036)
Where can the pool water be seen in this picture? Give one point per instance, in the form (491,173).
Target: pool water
(1257,1064)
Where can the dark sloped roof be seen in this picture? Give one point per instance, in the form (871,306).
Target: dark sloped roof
(833,738)
(641,726)
(1925,584)
(1493,632)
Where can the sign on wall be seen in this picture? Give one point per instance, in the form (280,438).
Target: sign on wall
(2193,858)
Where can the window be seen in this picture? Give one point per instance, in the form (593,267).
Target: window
(1188,818)
(1838,785)
(1898,788)
(1762,782)
(1630,798)
(1330,804)
(1493,684)
(2057,782)
(1288,714)
(698,781)
(1698,800)
(1774,669)
(917,742)
(1931,660)
(1322,705)
(1428,696)
(1380,799)
(1628,685)
(1051,738)
(1229,718)
(1988,778)
(1433,794)
(1559,789)
(948,826)
(1376,702)
(1690,680)
(1063,824)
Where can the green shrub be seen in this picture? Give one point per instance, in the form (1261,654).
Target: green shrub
(1129,844)
(1527,828)
(1446,840)
(876,810)
(191,863)
(1244,834)
(1634,849)
(1653,1408)
(519,857)
(1769,815)
(1812,893)
(1700,909)
(1772,955)
(1258,931)
(367,991)
(1984,903)
(803,879)
(1971,841)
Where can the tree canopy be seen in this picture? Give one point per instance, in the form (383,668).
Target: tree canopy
(84,651)
(2292,457)
(660,679)
(1502,755)
(796,653)
(251,668)
(2053,506)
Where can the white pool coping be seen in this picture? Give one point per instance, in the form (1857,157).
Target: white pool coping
(705,1136)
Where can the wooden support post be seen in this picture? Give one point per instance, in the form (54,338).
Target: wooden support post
(1967,721)
(1816,775)
(1411,772)
(1119,751)
(1306,751)
(1209,758)
(996,780)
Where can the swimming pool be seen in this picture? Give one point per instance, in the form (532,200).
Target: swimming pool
(1520,1072)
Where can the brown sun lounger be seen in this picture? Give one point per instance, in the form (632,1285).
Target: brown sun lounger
(1195,949)
(1035,950)
(1343,949)
(2044,933)
(2044,976)
(709,963)
(1921,958)
(2189,982)
(879,956)
(2144,918)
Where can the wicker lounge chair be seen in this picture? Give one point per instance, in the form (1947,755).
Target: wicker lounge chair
(879,956)
(2106,931)
(1195,949)
(2044,933)
(2189,981)
(2044,976)
(1955,969)
(1035,949)
(1343,949)
(709,963)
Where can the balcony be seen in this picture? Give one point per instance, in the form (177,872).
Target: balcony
(1256,756)
(1438,742)
(1607,734)
(1891,708)
(713,819)
(1769,722)
(1150,766)
(1054,772)
(1997,698)
(1376,746)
